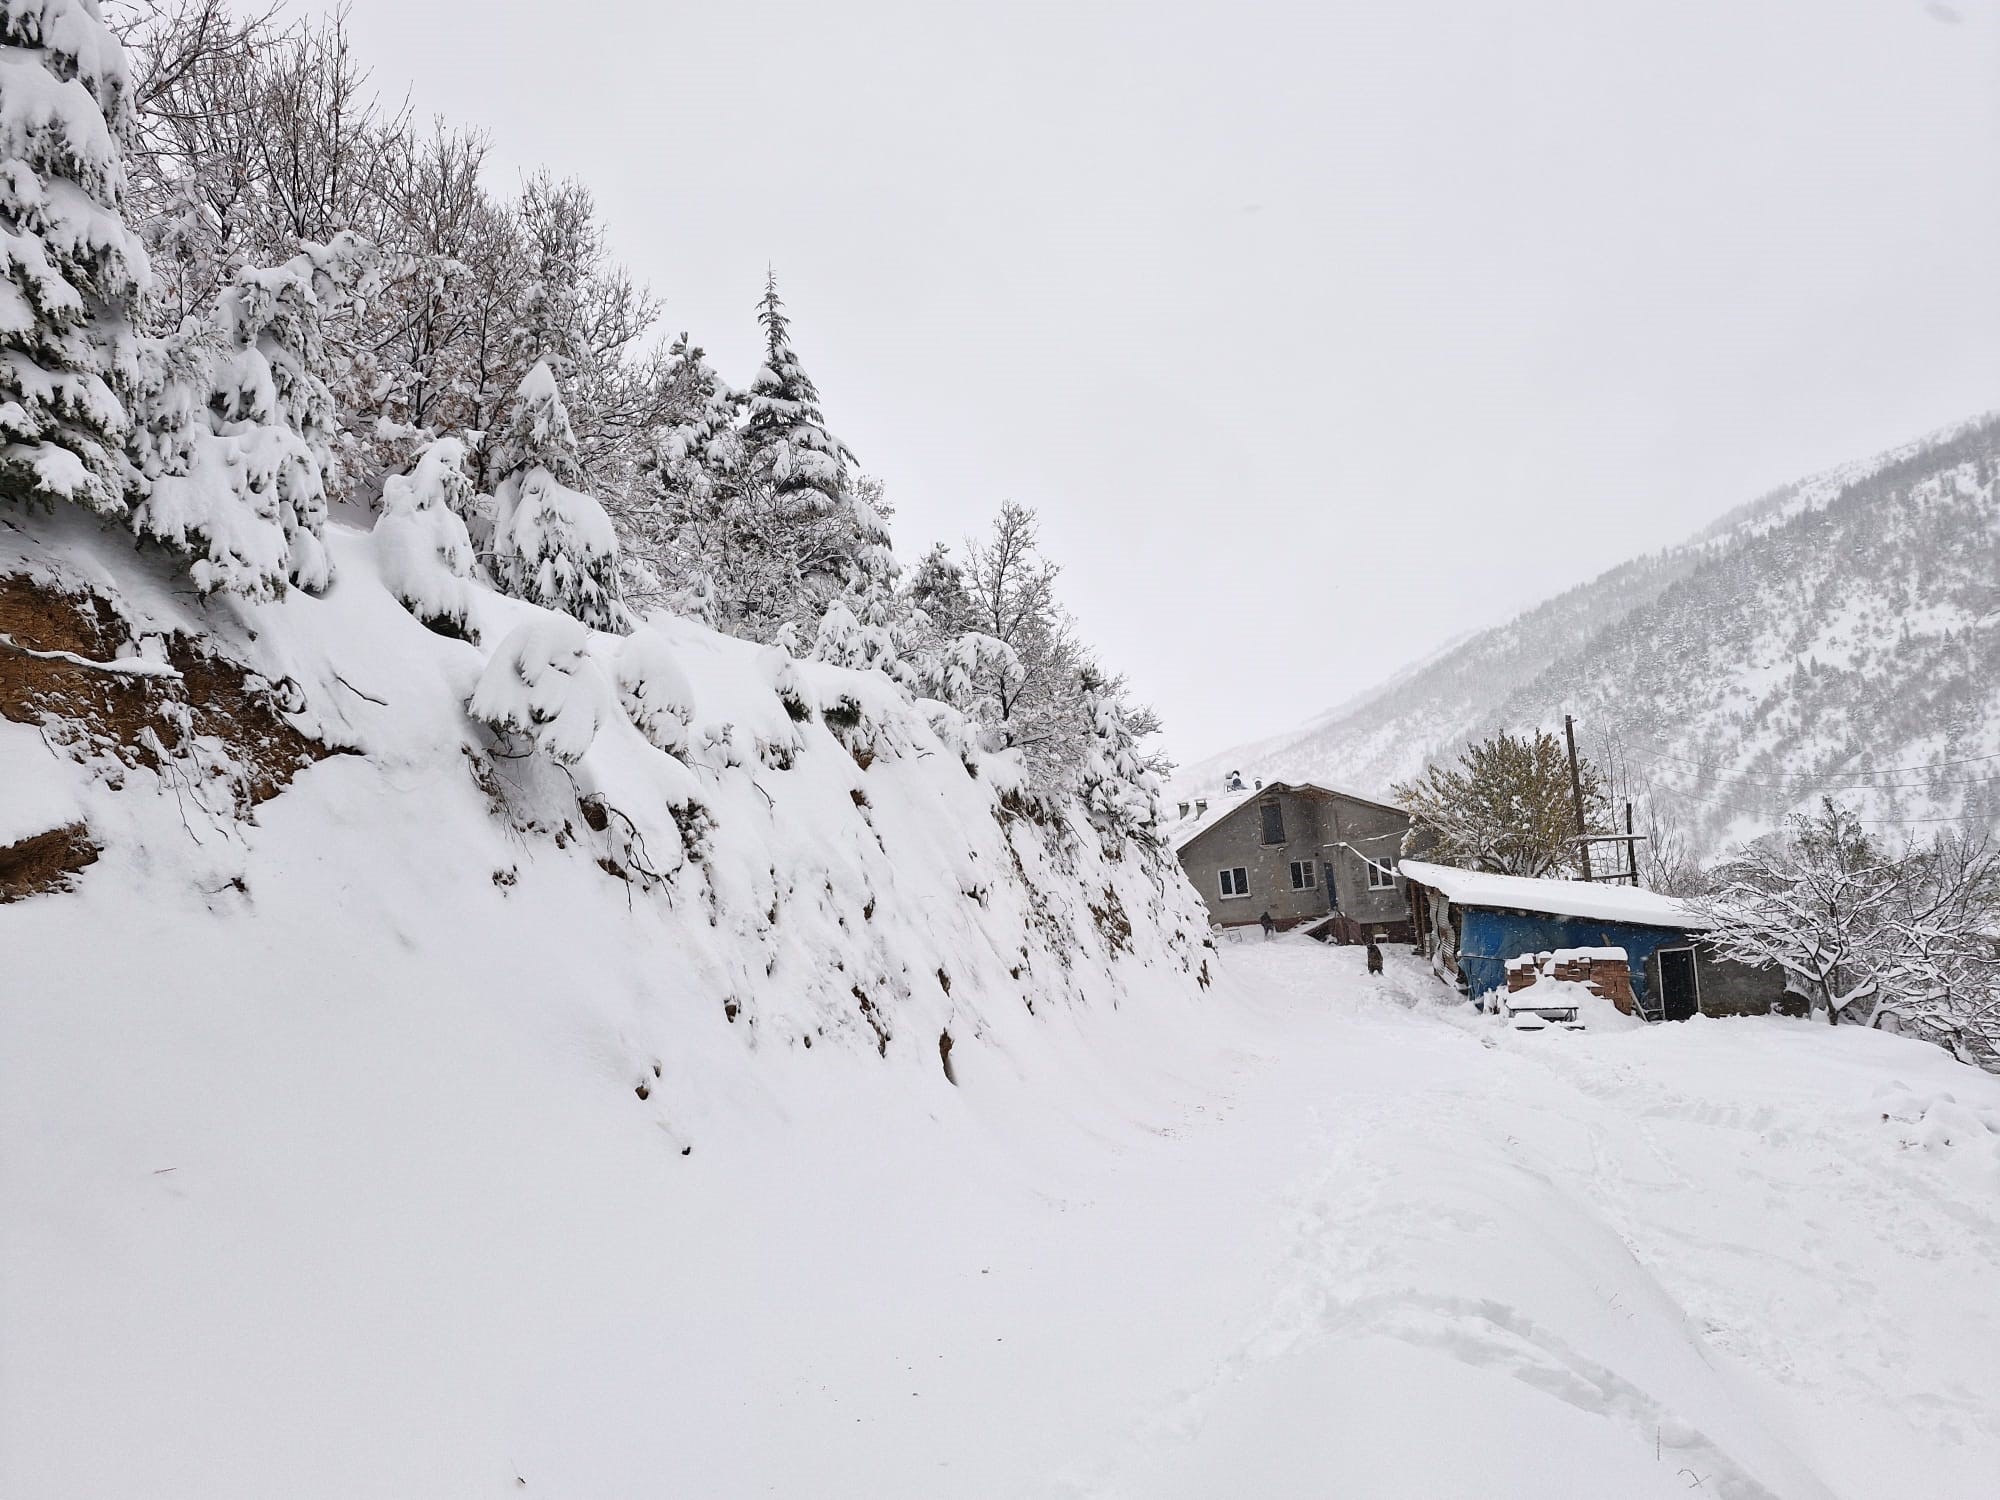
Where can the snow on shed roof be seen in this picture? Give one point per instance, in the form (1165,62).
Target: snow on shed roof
(1590,900)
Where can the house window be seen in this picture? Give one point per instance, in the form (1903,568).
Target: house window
(1302,874)
(1381,877)
(1236,882)
(1274,823)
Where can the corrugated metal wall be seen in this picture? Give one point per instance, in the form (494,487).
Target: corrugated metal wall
(1493,937)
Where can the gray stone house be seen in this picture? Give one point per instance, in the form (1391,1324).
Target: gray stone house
(1304,853)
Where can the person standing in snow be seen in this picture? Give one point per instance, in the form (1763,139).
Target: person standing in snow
(1268,925)
(1374,956)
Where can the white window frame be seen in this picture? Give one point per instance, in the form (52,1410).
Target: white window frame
(1242,881)
(1310,883)
(1381,877)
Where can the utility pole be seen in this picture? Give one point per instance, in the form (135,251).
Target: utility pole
(1631,847)
(1576,793)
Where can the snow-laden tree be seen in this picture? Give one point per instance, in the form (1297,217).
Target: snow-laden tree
(1909,940)
(686,527)
(1506,807)
(1941,975)
(1816,901)
(1116,790)
(654,691)
(936,586)
(787,446)
(72,268)
(542,686)
(841,641)
(553,545)
(581,313)
(236,445)
(421,541)
(945,658)
(791,527)
(1023,689)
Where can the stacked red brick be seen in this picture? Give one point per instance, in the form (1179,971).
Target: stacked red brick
(1606,972)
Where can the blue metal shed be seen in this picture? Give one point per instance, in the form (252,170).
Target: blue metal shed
(1490,938)
(1492,918)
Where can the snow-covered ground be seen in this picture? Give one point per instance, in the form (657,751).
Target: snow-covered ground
(1313,1234)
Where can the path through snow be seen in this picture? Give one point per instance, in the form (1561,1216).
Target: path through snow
(1324,1236)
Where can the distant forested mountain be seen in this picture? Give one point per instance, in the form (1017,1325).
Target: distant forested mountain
(1841,635)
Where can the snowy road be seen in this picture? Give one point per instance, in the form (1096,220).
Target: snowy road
(1654,1261)
(1385,1249)
(1325,1236)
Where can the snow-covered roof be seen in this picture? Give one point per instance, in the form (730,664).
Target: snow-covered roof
(1559,898)
(1183,831)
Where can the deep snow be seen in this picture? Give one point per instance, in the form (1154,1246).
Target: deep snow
(420,1135)
(1314,1234)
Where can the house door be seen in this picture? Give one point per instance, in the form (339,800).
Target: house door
(1680,996)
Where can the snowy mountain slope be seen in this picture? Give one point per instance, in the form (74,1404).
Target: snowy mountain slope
(1847,622)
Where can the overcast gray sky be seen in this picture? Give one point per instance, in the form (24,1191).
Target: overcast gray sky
(1317,333)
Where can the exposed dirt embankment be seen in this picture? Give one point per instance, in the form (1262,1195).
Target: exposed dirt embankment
(217,730)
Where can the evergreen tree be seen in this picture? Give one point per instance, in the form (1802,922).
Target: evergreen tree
(937,589)
(552,544)
(72,268)
(702,451)
(787,446)
(687,532)
(1119,795)
(424,550)
(235,447)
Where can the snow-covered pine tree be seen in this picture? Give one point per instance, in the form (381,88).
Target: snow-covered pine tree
(424,550)
(235,445)
(703,450)
(937,587)
(805,527)
(1118,793)
(950,660)
(785,439)
(552,544)
(697,462)
(73,269)
(841,640)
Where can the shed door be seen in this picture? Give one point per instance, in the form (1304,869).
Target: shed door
(1679,995)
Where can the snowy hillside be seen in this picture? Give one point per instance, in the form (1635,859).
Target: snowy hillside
(315,980)
(1846,623)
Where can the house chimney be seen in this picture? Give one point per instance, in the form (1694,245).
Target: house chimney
(1260,783)
(1184,809)
(1201,807)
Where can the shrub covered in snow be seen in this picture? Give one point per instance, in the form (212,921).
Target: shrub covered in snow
(421,540)
(541,684)
(654,692)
